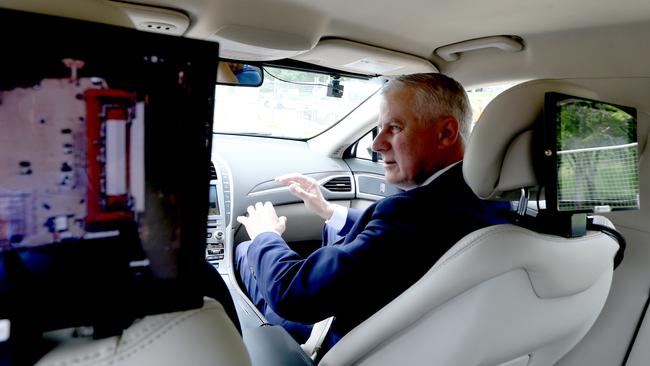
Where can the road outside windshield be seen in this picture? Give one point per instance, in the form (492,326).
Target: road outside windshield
(289,104)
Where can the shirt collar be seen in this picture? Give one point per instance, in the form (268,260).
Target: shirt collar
(439,173)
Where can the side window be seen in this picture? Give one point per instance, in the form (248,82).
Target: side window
(363,148)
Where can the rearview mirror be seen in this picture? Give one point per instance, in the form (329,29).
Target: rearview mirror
(239,74)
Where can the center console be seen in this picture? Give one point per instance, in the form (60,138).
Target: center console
(268,345)
(219,216)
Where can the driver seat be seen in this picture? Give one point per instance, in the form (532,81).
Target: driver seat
(503,295)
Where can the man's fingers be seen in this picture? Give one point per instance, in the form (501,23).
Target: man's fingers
(250,210)
(291,176)
(296,189)
(288,176)
(283,220)
(296,178)
(242,220)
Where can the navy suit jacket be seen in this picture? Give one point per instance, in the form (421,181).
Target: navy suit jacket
(385,249)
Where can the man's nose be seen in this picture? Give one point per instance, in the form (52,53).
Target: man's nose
(379,143)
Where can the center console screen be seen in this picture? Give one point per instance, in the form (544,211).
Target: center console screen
(214,201)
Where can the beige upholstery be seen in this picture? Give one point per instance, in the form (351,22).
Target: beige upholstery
(198,337)
(503,295)
(498,160)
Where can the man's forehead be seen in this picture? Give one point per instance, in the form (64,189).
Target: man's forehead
(397,107)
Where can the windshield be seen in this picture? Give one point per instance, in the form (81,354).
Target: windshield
(290,103)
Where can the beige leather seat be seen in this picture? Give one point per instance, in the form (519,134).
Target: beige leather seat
(503,295)
(199,337)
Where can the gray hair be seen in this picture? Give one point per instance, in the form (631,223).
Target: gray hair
(436,95)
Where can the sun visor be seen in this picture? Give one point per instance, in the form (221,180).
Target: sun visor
(256,44)
(360,58)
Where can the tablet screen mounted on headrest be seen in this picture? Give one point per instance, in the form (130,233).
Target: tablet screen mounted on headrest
(103,182)
(591,155)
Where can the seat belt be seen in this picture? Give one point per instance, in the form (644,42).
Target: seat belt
(318,333)
(636,331)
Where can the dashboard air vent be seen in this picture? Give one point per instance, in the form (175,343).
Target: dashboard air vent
(340,184)
(213,172)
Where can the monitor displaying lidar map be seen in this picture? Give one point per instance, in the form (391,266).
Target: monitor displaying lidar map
(105,136)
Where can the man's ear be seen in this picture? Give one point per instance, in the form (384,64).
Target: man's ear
(448,134)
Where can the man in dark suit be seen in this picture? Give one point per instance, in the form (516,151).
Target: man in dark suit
(370,257)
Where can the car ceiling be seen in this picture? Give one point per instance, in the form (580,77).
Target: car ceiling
(578,39)
(413,27)
(600,44)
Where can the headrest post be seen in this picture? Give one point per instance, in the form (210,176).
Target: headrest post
(523,202)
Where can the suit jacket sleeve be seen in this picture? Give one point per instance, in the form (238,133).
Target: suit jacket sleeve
(386,249)
(351,219)
(332,278)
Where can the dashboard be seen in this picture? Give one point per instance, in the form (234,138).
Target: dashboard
(244,169)
(243,173)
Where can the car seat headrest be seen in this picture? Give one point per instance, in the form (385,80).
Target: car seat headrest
(499,156)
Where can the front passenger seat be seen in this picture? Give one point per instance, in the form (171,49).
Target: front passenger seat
(503,295)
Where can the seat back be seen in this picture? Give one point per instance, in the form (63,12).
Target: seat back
(204,336)
(503,295)
(500,294)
